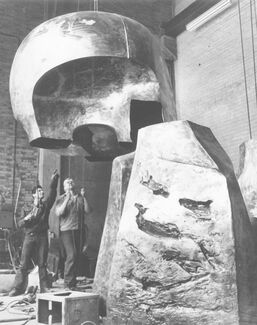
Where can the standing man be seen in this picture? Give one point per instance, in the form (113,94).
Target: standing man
(71,209)
(35,244)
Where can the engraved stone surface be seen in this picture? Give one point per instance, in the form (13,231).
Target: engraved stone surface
(186,257)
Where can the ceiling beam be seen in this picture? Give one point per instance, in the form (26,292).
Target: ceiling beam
(177,24)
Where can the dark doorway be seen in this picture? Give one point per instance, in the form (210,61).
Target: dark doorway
(143,113)
(95,178)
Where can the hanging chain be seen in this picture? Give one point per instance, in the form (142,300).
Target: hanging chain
(69,163)
(55,7)
(44,14)
(95,5)
(83,171)
(45,10)
(253,49)
(39,154)
(255,13)
(244,68)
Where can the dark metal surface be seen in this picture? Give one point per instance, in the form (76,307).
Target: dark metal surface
(84,68)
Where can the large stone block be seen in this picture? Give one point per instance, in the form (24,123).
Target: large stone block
(247,180)
(184,251)
(121,170)
(248,175)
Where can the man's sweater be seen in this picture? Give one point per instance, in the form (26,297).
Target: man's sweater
(40,214)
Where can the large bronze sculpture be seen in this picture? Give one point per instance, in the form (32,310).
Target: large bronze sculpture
(73,78)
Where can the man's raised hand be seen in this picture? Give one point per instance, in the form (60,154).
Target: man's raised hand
(55,174)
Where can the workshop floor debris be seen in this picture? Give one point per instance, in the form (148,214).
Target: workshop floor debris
(21,310)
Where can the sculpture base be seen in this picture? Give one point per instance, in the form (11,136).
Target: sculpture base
(184,252)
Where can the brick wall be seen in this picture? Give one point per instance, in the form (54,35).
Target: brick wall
(210,80)
(16,23)
(23,160)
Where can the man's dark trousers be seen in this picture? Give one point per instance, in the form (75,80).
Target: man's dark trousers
(35,247)
(70,241)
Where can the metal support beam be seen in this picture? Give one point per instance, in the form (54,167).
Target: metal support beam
(177,25)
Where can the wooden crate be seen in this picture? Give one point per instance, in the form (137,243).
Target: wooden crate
(67,308)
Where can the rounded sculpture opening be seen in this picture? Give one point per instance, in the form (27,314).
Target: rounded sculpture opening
(97,139)
(91,91)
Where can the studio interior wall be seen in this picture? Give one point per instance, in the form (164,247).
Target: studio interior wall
(209,77)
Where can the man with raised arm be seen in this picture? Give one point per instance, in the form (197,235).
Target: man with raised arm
(35,244)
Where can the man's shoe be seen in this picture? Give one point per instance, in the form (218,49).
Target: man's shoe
(15,292)
(73,288)
(45,290)
(70,288)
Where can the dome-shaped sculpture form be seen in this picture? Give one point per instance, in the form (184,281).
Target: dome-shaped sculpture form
(73,78)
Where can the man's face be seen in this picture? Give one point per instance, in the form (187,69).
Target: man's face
(39,194)
(68,185)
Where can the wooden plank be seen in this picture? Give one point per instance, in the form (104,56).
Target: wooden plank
(177,25)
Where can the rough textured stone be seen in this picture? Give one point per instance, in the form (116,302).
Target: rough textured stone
(184,251)
(121,170)
(247,179)
(248,175)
